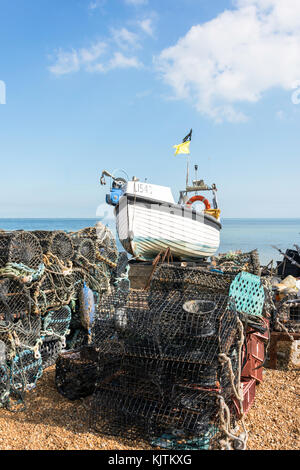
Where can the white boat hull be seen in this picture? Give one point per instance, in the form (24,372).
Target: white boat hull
(146,227)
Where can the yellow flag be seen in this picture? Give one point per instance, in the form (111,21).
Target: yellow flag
(182,148)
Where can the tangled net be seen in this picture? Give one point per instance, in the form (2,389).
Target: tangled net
(42,276)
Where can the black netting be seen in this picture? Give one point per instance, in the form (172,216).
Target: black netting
(76,373)
(50,350)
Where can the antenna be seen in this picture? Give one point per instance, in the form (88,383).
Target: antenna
(187,171)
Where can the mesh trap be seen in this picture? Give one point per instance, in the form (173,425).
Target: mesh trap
(57,322)
(157,326)
(20,247)
(76,373)
(57,242)
(26,369)
(236,262)
(15,300)
(189,280)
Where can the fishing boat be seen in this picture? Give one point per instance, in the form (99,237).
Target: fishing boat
(149,221)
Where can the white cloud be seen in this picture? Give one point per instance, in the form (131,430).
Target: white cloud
(119,61)
(88,59)
(125,38)
(146,26)
(74,60)
(66,62)
(236,57)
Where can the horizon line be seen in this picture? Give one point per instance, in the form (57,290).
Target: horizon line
(94,218)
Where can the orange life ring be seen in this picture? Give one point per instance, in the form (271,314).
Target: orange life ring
(199,198)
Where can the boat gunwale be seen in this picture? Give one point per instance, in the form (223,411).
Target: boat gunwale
(139,198)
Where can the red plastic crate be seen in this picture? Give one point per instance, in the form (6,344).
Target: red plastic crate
(256,347)
(248,388)
(250,370)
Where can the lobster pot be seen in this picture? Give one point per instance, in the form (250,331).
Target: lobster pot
(154,326)
(88,232)
(56,323)
(45,296)
(54,290)
(76,373)
(28,331)
(21,248)
(4,383)
(57,242)
(117,414)
(289,315)
(159,370)
(79,277)
(237,262)
(106,244)
(64,284)
(100,273)
(14,300)
(84,250)
(190,281)
(26,369)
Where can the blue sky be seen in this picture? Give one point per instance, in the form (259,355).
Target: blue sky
(116,83)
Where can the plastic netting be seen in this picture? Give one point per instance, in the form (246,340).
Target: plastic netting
(248,293)
(50,350)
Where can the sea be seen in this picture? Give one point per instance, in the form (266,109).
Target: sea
(236,234)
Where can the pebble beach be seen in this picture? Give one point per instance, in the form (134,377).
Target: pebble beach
(51,422)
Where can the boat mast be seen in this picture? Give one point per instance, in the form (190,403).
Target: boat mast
(187,170)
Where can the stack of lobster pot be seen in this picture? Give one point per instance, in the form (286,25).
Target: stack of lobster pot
(43,278)
(168,364)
